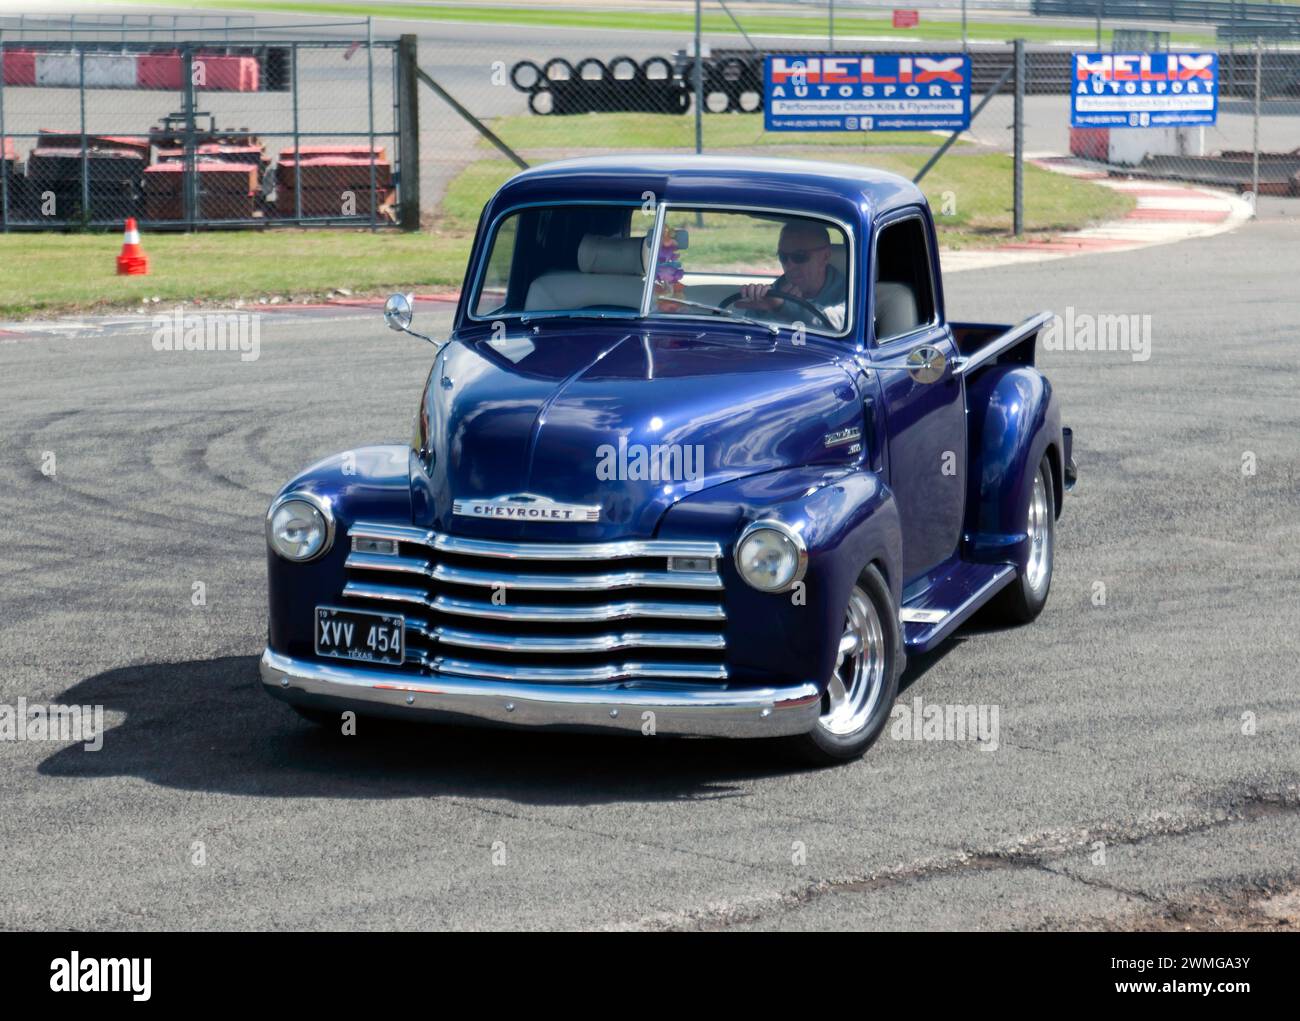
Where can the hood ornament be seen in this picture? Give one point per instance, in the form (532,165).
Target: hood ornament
(525,507)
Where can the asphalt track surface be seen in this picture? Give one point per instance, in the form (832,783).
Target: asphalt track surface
(1121,725)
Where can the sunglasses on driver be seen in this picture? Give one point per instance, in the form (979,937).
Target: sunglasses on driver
(800,257)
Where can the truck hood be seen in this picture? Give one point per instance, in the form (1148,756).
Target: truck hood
(616,426)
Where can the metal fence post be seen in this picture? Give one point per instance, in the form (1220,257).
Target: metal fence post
(699,85)
(189,182)
(831,28)
(297,141)
(408,127)
(1254,162)
(370,112)
(4,165)
(85,149)
(1018,203)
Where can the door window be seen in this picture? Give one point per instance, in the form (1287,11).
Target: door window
(904,299)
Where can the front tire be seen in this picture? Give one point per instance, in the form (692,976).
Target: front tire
(1024,599)
(864,684)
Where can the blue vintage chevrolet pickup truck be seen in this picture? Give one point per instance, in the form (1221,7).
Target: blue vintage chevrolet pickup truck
(702,455)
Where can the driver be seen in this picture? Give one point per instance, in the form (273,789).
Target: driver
(804,249)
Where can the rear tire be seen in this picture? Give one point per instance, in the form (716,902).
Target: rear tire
(864,684)
(1024,599)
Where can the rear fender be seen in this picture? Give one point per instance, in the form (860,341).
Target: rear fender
(1014,419)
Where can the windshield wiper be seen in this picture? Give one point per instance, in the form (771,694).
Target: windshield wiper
(730,313)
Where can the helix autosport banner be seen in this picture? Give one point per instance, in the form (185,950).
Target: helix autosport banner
(866,92)
(1143,90)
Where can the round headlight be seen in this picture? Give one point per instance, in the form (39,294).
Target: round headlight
(771,556)
(299,527)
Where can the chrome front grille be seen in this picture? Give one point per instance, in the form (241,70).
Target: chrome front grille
(567,613)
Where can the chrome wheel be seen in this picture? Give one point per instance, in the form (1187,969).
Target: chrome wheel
(1039,528)
(859,676)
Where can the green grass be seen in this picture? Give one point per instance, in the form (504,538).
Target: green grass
(681,22)
(674,131)
(47,272)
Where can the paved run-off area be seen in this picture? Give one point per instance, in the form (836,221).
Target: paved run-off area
(1124,787)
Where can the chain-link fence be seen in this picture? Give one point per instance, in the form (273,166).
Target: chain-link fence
(99,124)
(646,92)
(203,129)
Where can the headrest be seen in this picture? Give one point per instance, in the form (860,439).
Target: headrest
(627,256)
(896,312)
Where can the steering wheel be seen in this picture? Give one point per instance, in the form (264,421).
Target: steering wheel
(803,303)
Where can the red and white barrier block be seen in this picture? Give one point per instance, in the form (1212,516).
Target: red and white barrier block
(162,70)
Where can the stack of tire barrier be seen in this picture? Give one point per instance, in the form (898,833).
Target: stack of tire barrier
(731,85)
(113,168)
(222,194)
(252,154)
(335,181)
(592,86)
(226,190)
(135,143)
(14,172)
(15,178)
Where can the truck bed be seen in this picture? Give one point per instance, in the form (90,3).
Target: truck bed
(983,344)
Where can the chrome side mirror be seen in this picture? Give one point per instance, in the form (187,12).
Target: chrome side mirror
(398,313)
(926,364)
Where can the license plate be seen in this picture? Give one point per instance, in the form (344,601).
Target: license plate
(356,634)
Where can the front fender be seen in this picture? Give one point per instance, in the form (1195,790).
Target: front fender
(369,483)
(1014,420)
(847,517)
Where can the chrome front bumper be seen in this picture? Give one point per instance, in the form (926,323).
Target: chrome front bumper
(761,712)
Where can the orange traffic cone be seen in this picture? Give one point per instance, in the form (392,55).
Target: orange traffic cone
(132,262)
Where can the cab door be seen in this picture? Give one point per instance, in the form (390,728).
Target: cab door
(925,421)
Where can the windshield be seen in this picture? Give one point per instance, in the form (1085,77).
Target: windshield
(777,270)
(549,260)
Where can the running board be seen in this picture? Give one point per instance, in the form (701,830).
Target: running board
(936,613)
